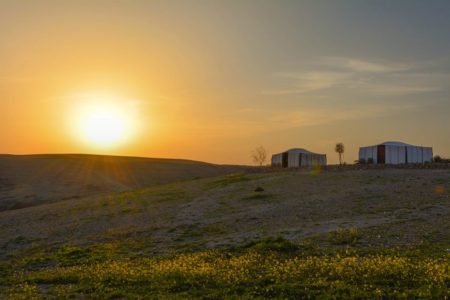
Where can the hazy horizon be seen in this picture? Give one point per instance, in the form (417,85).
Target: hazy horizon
(212,80)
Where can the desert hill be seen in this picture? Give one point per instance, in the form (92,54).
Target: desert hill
(29,180)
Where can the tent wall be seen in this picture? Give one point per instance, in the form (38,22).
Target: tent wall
(397,154)
(362,153)
(427,154)
(381,154)
(312,160)
(368,153)
(323,160)
(284,159)
(297,157)
(277,160)
(418,155)
(412,154)
(305,160)
(293,160)
(401,154)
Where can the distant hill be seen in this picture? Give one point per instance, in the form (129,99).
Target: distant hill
(28,180)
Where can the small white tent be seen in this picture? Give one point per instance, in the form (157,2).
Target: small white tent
(298,157)
(395,153)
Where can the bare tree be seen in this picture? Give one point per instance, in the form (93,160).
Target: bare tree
(259,155)
(339,148)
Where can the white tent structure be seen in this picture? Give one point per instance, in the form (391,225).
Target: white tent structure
(395,153)
(297,157)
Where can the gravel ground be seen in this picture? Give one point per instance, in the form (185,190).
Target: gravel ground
(389,206)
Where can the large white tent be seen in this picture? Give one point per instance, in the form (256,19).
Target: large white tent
(395,153)
(298,157)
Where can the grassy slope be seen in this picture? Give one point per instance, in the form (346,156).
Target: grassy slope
(29,180)
(129,244)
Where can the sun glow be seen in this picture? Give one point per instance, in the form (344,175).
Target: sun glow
(105,122)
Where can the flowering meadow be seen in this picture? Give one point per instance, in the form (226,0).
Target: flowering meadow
(253,272)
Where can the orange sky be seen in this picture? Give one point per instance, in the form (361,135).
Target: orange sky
(213,80)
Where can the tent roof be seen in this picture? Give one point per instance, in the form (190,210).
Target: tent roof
(299,150)
(395,143)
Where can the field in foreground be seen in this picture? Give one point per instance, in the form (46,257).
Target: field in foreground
(352,233)
(271,268)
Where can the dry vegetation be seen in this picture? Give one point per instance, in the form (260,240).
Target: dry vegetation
(337,233)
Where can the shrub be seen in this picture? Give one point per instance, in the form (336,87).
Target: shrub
(438,159)
(278,244)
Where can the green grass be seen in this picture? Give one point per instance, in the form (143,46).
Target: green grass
(258,196)
(270,268)
(278,244)
(345,236)
(229,180)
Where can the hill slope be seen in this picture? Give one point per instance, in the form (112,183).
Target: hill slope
(35,179)
(395,207)
(340,234)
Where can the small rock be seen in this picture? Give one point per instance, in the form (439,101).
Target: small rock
(259,189)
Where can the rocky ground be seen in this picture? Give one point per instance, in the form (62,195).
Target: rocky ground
(387,207)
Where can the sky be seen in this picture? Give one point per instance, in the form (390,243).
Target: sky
(213,80)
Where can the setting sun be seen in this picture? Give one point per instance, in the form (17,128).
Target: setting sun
(104,122)
(103,127)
